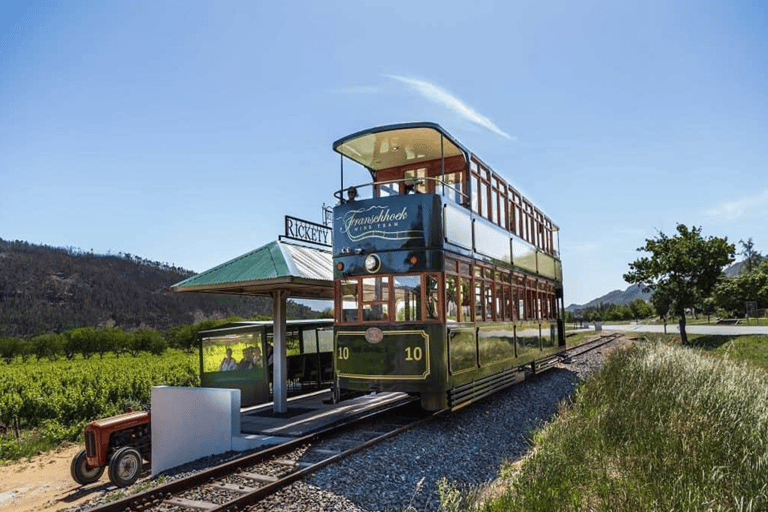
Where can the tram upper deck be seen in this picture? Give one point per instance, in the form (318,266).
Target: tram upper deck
(482,216)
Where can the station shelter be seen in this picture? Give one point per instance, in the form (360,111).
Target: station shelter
(280,270)
(309,347)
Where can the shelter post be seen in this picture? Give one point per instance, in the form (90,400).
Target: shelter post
(280,365)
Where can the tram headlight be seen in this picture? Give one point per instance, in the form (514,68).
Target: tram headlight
(372,263)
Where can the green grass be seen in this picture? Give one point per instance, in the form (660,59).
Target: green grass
(660,427)
(749,349)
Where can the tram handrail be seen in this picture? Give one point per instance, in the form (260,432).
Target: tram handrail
(408,182)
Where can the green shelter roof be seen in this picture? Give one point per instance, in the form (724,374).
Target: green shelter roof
(301,271)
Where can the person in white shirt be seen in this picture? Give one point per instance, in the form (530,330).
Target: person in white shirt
(228,363)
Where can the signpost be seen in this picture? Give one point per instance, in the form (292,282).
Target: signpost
(306,231)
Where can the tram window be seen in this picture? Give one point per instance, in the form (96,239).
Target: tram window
(433,298)
(479,300)
(466,300)
(415,180)
(375,298)
(484,206)
(407,298)
(475,193)
(453,186)
(349,301)
(488,301)
(499,302)
(494,213)
(451,299)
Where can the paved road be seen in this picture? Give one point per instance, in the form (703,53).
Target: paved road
(724,330)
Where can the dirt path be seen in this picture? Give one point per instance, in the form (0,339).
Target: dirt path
(44,483)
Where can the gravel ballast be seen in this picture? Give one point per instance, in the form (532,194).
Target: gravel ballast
(466,448)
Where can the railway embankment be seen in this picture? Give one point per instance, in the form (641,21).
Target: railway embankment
(654,426)
(464,450)
(660,427)
(467,447)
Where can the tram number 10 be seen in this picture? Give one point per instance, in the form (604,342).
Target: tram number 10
(413,353)
(343,353)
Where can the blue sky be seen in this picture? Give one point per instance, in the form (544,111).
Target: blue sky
(183,131)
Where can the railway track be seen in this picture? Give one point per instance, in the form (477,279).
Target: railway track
(245,481)
(239,483)
(588,346)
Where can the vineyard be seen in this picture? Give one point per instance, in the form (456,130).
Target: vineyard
(49,402)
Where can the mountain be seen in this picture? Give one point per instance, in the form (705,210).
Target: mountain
(635,291)
(735,269)
(52,289)
(617,297)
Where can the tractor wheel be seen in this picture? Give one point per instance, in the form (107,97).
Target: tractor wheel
(125,466)
(82,473)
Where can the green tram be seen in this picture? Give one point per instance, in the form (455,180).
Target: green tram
(448,282)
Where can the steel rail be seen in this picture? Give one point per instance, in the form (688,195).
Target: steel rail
(598,342)
(269,489)
(152,497)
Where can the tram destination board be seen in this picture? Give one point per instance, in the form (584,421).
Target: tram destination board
(306,231)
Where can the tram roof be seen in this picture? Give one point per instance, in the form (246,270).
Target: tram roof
(299,270)
(394,145)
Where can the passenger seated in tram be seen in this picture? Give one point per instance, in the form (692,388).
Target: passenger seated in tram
(256,353)
(246,363)
(228,363)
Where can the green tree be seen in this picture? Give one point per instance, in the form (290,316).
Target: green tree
(84,340)
(752,258)
(10,348)
(47,345)
(685,268)
(731,294)
(640,309)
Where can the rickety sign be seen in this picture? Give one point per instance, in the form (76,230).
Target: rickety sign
(306,231)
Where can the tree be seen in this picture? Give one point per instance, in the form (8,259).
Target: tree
(685,268)
(46,345)
(732,294)
(752,258)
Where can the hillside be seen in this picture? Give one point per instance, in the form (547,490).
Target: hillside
(49,289)
(635,291)
(617,297)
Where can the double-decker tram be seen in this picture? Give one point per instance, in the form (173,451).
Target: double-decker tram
(448,282)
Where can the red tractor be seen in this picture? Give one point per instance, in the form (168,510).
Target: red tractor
(119,442)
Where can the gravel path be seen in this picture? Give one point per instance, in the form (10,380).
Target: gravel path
(466,448)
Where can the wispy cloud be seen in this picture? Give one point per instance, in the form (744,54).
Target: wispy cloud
(358,89)
(442,97)
(757,204)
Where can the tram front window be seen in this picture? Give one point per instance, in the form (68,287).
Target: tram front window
(407,298)
(375,299)
(389,298)
(349,301)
